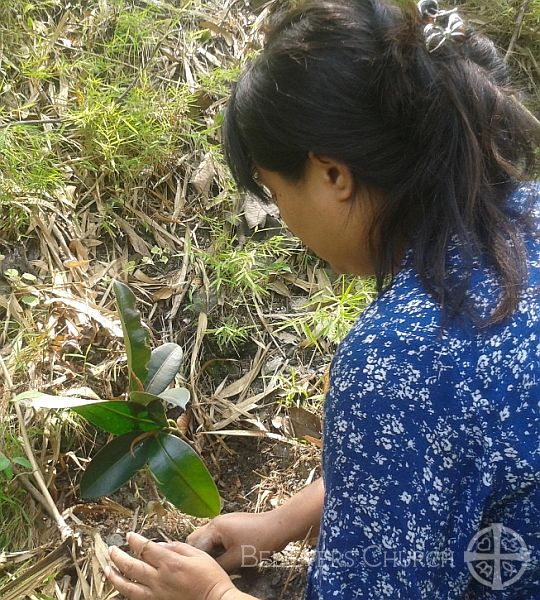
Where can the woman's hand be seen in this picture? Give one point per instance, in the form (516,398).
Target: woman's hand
(167,572)
(247,538)
(243,538)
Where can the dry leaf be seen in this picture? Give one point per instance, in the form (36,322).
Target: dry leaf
(74,264)
(254,212)
(204,176)
(304,423)
(280,288)
(243,407)
(250,433)
(101,551)
(143,277)
(89,310)
(237,387)
(315,441)
(287,338)
(139,245)
(78,248)
(82,392)
(183,422)
(162,294)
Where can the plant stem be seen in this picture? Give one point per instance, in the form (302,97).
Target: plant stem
(65,530)
(46,499)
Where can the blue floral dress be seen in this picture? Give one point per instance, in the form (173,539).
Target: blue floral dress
(431,454)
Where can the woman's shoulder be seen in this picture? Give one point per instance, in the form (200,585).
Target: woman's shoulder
(406,304)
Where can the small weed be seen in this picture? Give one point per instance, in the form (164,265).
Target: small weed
(300,391)
(134,33)
(241,274)
(218,81)
(29,158)
(231,335)
(127,137)
(295,392)
(28,168)
(331,312)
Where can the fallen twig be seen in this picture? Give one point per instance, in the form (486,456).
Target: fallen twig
(31,122)
(34,576)
(291,571)
(45,497)
(517,30)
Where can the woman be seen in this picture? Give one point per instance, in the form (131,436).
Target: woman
(388,137)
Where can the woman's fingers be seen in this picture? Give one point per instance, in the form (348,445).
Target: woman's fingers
(129,589)
(231,560)
(182,549)
(132,568)
(148,551)
(203,539)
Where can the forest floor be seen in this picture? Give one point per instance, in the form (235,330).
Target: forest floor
(111,169)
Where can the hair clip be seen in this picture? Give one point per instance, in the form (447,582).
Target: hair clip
(441,25)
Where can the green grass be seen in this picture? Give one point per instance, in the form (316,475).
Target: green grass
(120,119)
(14,517)
(29,171)
(128,137)
(329,314)
(241,274)
(498,20)
(231,334)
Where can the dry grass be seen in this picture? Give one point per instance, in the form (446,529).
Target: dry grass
(515,27)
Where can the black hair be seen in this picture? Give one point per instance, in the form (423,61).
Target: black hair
(439,133)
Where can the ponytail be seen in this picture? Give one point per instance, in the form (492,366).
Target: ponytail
(438,131)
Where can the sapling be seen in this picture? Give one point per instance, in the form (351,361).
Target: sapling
(143,437)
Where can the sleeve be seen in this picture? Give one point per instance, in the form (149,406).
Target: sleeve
(406,469)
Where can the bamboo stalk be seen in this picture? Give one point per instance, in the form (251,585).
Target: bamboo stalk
(45,497)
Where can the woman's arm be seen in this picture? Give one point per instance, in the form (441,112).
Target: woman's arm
(244,539)
(300,515)
(295,519)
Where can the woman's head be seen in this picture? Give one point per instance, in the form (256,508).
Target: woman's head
(327,211)
(435,137)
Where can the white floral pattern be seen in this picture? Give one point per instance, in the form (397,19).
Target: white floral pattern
(428,438)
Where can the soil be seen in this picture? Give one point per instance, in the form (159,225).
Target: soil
(252,474)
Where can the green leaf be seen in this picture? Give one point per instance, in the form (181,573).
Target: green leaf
(114,465)
(163,367)
(177,397)
(23,462)
(143,398)
(135,336)
(40,400)
(30,300)
(5,463)
(182,477)
(121,417)
(156,410)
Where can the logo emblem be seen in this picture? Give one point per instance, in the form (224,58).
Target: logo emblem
(497,556)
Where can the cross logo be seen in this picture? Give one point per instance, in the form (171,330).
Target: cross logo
(497,556)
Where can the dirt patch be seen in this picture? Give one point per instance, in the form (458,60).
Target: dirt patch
(253,475)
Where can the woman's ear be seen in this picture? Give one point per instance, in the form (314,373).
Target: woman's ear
(333,174)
